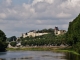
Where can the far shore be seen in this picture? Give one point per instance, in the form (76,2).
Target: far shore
(41,47)
(44,48)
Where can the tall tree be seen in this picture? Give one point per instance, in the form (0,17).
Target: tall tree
(73,34)
(3,44)
(13,38)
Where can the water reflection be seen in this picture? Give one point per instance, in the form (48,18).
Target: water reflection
(70,56)
(3,53)
(37,55)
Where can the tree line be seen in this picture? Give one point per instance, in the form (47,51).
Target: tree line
(45,40)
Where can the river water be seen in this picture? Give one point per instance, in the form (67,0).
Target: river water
(37,55)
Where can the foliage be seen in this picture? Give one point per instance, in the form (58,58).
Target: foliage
(47,40)
(13,44)
(23,43)
(32,49)
(50,30)
(11,38)
(73,34)
(3,44)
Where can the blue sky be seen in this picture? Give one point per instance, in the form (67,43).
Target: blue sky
(20,16)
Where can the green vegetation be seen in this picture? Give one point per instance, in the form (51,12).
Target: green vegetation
(68,49)
(43,48)
(71,38)
(13,38)
(49,39)
(13,44)
(32,49)
(73,34)
(3,44)
(45,40)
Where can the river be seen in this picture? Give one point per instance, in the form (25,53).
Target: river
(37,55)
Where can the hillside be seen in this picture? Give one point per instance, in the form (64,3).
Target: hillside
(73,34)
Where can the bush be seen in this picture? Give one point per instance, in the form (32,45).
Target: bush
(13,44)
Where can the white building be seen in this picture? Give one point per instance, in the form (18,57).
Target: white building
(32,34)
(59,32)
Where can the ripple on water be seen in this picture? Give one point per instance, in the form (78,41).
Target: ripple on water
(31,55)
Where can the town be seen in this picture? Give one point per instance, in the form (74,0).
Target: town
(35,35)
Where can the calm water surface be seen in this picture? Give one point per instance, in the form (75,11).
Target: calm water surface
(36,55)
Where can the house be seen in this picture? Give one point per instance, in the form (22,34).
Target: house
(59,32)
(18,44)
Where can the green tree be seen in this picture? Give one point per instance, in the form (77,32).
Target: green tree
(73,34)
(13,38)
(13,44)
(3,44)
(24,43)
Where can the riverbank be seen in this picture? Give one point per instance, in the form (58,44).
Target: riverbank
(44,48)
(35,48)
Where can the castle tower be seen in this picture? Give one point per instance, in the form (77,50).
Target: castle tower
(56,30)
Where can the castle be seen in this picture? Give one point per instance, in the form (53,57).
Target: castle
(33,33)
(59,32)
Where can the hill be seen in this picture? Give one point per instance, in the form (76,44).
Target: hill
(73,34)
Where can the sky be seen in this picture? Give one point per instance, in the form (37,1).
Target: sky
(21,16)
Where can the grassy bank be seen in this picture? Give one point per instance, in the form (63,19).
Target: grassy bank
(67,49)
(54,49)
(31,49)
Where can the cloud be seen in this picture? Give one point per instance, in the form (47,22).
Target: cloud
(2,15)
(71,4)
(47,1)
(36,1)
(74,3)
(63,15)
(7,2)
(71,7)
(38,14)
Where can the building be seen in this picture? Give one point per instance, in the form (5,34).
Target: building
(59,32)
(56,31)
(32,33)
